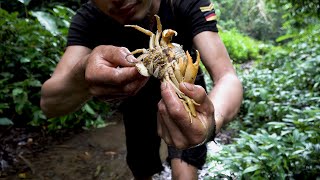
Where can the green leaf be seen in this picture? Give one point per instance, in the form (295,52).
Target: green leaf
(88,109)
(17,91)
(251,169)
(5,122)
(46,20)
(254,148)
(25,60)
(298,151)
(25,2)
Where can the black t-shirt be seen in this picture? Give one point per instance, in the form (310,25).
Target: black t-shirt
(90,27)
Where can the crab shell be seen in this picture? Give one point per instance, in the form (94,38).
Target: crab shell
(168,62)
(157,61)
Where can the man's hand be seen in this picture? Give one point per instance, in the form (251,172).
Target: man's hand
(110,74)
(174,125)
(105,72)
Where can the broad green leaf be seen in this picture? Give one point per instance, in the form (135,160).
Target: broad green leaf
(88,109)
(254,148)
(25,2)
(17,91)
(4,106)
(277,124)
(34,83)
(5,122)
(298,151)
(251,169)
(25,60)
(47,20)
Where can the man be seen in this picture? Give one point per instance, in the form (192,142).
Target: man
(96,63)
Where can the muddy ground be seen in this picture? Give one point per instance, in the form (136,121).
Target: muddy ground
(86,155)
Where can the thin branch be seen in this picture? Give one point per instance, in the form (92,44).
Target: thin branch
(28,163)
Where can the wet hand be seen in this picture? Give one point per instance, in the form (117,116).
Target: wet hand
(110,74)
(174,125)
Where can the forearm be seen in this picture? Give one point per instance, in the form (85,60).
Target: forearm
(226,96)
(65,92)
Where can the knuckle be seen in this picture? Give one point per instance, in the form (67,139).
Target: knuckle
(197,139)
(129,90)
(167,140)
(89,78)
(201,92)
(200,89)
(95,54)
(161,107)
(159,133)
(179,144)
(124,49)
(177,112)
(119,78)
(116,78)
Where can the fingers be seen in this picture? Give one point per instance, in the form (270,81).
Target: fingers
(129,89)
(174,134)
(163,130)
(109,72)
(111,65)
(102,74)
(172,101)
(198,94)
(117,56)
(177,120)
(168,130)
(195,92)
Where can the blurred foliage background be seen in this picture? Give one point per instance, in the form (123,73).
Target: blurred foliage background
(33,38)
(274,45)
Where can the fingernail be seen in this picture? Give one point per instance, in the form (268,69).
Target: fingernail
(163,85)
(189,86)
(131,59)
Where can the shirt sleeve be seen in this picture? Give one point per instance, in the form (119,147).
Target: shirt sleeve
(81,27)
(199,14)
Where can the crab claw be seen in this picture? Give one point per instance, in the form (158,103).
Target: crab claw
(167,37)
(192,69)
(182,65)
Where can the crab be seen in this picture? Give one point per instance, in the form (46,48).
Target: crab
(168,62)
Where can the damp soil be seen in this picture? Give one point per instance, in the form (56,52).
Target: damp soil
(30,153)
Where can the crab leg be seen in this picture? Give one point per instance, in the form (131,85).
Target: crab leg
(139,65)
(167,37)
(152,41)
(172,76)
(139,51)
(159,32)
(141,29)
(177,71)
(147,32)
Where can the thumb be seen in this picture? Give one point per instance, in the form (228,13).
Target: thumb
(195,92)
(118,56)
(199,95)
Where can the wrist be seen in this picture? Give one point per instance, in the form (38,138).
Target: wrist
(211,132)
(217,122)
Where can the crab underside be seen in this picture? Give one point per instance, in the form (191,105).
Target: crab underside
(168,62)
